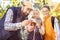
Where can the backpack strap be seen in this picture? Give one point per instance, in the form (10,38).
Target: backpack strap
(52,20)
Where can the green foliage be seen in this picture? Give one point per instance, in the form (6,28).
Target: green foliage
(58,17)
(37,5)
(2,11)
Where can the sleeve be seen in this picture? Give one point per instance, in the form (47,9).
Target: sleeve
(56,28)
(8,25)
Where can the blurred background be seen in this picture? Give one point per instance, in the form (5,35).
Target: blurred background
(54,5)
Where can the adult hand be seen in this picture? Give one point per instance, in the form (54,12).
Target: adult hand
(25,22)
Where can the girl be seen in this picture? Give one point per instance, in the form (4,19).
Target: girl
(35,28)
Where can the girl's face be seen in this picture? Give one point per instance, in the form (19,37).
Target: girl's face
(45,11)
(36,14)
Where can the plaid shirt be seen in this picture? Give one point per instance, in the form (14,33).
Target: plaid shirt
(8,21)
